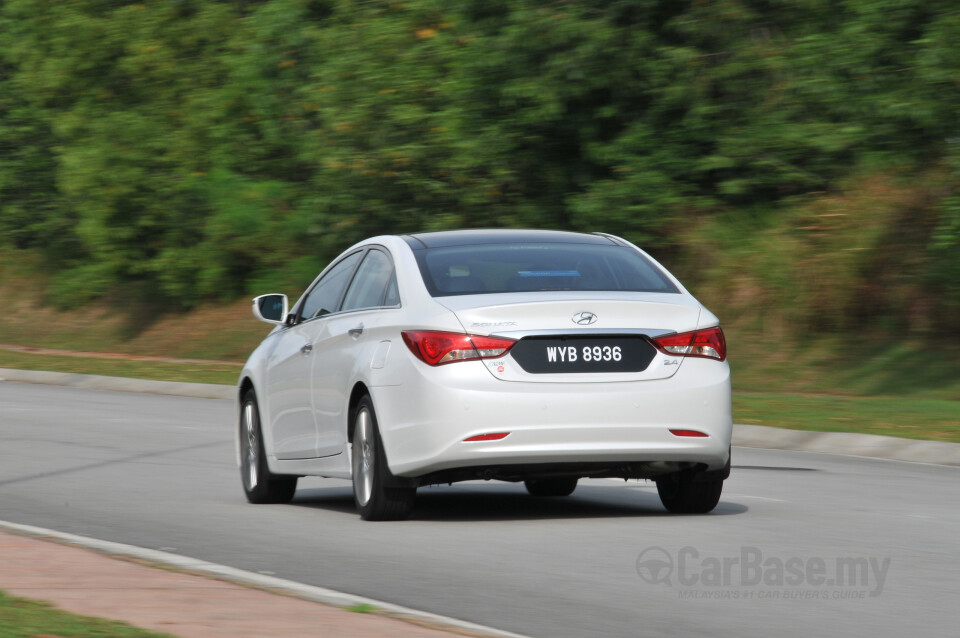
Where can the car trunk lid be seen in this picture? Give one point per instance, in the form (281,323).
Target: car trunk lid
(578,337)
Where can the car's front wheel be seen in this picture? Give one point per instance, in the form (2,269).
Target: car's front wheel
(685,494)
(376,500)
(259,484)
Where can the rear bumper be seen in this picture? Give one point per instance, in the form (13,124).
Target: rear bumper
(424,421)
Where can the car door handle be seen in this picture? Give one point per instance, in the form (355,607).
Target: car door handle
(356,332)
(307,349)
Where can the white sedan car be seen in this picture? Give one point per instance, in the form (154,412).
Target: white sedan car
(534,356)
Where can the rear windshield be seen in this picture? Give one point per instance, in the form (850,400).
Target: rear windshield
(497,268)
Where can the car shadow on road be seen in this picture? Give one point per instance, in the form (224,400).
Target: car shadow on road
(506,502)
(334,499)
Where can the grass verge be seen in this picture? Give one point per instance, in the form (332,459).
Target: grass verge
(156,370)
(908,417)
(22,618)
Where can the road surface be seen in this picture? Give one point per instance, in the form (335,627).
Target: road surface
(776,557)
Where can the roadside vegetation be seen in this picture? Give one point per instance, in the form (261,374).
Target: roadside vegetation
(178,151)
(155,370)
(825,382)
(796,164)
(22,618)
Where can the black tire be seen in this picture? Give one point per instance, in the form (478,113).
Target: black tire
(259,484)
(375,498)
(682,494)
(557,486)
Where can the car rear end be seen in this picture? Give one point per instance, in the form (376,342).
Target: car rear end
(565,354)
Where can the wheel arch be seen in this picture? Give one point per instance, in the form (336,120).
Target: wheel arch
(359,391)
(245,385)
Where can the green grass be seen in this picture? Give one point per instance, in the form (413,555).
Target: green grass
(21,618)
(835,365)
(362,608)
(829,383)
(159,371)
(902,416)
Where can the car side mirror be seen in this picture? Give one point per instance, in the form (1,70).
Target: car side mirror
(271,308)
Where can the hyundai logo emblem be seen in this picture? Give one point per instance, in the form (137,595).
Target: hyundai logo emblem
(584,318)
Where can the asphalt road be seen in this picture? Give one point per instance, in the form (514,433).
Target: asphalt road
(775,558)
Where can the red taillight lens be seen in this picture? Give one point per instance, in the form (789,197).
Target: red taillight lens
(437,348)
(708,343)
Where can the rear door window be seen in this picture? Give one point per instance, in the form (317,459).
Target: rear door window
(369,286)
(325,297)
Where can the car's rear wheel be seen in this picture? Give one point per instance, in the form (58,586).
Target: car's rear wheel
(684,494)
(558,486)
(259,484)
(375,499)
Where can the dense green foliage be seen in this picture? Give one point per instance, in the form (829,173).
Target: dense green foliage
(196,147)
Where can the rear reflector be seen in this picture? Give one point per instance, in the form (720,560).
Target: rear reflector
(687,433)
(495,436)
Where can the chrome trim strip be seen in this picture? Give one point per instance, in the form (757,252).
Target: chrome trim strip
(585,332)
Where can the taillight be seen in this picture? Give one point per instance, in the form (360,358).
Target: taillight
(437,348)
(708,343)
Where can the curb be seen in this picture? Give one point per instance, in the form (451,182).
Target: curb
(120,384)
(758,436)
(849,444)
(270,584)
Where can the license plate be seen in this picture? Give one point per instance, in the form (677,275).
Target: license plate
(540,355)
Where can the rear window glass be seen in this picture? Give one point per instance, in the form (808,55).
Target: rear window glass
(498,268)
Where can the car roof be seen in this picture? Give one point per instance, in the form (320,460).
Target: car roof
(445,238)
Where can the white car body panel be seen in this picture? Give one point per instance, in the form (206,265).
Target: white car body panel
(553,422)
